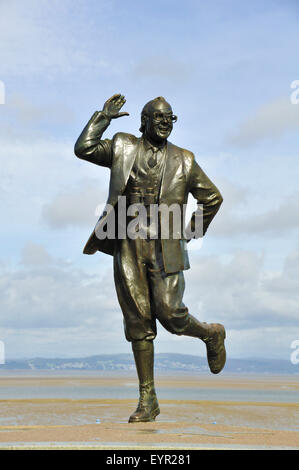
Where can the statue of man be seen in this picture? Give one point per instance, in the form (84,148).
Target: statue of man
(148,270)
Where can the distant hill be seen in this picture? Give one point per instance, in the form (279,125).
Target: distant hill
(168,362)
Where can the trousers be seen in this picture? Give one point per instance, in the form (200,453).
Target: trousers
(146,293)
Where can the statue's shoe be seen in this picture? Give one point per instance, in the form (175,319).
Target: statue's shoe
(148,406)
(144,415)
(215,348)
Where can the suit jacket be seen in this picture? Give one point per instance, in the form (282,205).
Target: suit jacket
(181,176)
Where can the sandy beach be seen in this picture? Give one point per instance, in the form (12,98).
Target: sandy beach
(190,424)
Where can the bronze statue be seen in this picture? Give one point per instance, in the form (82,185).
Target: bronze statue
(148,270)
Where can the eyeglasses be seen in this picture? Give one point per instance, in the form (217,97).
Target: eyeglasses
(158,116)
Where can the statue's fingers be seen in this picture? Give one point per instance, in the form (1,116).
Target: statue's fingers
(119,101)
(113,98)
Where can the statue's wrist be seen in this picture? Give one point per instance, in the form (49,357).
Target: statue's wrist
(105,116)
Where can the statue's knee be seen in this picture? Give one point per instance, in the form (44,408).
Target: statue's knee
(174,326)
(175,321)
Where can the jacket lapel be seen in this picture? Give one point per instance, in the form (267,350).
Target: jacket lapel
(172,169)
(121,169)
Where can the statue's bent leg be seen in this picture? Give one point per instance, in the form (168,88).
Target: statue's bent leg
(167,299)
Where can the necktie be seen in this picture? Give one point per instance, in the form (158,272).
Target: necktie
(152,161)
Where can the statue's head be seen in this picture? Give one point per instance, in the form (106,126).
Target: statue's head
(157,120)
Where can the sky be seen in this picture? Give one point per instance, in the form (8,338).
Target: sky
(226,67)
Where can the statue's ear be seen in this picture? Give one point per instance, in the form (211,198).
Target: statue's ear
(143,121)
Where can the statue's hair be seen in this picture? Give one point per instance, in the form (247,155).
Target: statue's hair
(147,107)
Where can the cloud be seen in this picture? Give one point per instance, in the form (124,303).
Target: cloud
(270,121)
(33,169)
(242,294)
(243,213)
(51,307)
(27,112)
(36,38)
(42,180)
(266,342)
(79,206)
(159,66)
(35,254)
(275,222)
(45,292)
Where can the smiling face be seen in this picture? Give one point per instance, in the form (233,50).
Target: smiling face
(158,121)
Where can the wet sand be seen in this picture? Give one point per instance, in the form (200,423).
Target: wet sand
(254,382)
(65,423)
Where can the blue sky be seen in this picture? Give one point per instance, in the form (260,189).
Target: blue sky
(226,67)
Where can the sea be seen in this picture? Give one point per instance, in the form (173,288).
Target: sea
(75,390)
